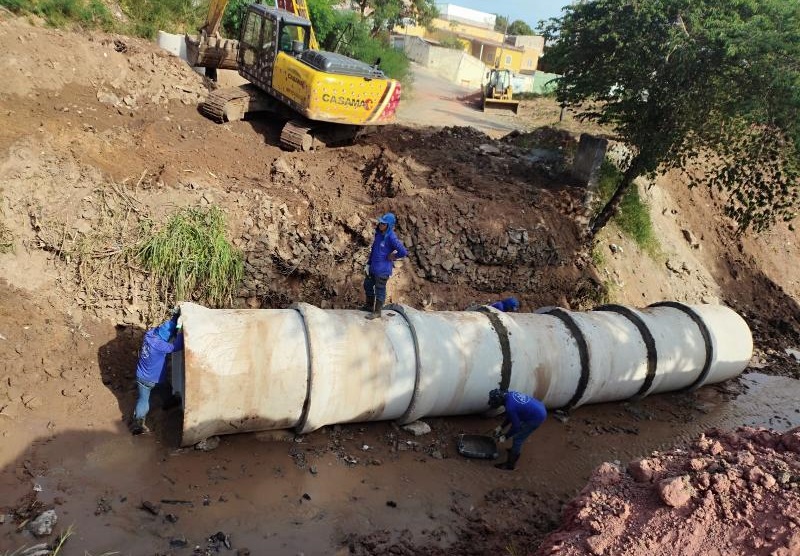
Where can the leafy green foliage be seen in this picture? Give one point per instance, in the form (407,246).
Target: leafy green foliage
(500,23)
(519,27)
(394,63)
(190,257)
(322,17)
(174,16)
(683,79)
(233,16)
(385,15)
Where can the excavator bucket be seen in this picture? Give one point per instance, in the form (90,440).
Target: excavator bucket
(211,52)
(499,106)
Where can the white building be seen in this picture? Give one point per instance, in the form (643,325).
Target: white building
(451,12)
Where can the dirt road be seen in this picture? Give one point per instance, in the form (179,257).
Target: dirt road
(437,102)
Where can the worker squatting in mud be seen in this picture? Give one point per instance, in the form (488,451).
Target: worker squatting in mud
(524,413)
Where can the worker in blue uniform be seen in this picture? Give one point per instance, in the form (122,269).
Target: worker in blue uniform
(386,249)
(507,305)
(524,413)
(151,369)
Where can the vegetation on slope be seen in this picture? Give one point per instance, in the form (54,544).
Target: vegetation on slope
(191,258)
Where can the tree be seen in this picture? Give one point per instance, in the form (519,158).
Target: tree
(519,27)
(683,82)
(387,14)
(322,18)
(500,23)
(232,19)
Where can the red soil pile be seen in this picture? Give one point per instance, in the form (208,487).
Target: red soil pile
(730,493)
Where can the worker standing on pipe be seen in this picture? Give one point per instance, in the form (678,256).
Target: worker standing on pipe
(523,413)
(151,369)
(386,249)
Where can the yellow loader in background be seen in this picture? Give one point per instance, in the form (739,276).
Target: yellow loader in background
(326,98)
(498,96)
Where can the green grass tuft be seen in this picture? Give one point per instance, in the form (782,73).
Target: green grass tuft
(191,257)
(16,6)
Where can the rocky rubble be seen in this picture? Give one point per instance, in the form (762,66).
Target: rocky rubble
(730,492)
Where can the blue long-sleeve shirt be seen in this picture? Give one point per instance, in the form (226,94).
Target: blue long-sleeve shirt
(383,245)
(152,365)
(521,408)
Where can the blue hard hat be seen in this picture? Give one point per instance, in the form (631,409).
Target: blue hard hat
(512,303)
(388,219)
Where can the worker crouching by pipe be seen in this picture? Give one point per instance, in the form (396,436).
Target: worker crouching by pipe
(524,414)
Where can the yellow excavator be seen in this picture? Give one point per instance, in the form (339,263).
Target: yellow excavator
(498,95)
(326,98)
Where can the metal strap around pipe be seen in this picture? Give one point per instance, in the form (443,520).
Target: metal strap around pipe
(583,352)
(704,332)
(310,374)
(649,343)
(399,309)
(505,345)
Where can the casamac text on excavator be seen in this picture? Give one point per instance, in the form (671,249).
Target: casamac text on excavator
(326,98)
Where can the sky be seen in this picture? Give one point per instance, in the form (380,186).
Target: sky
(529,11)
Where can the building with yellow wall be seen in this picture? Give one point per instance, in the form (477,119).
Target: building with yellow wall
(475,30)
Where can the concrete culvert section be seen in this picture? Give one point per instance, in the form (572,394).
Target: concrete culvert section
(305,367)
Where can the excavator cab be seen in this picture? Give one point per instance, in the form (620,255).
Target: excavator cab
(498,95)
(293,39)
(264,34)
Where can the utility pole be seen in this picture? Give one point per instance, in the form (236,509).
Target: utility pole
(502,44)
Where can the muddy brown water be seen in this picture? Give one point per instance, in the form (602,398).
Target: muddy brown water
(253,489)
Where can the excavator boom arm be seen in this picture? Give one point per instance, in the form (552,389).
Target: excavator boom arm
(216,9)
(299,7)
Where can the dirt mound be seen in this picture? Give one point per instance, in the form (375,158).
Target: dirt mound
(125,72)
(728,489)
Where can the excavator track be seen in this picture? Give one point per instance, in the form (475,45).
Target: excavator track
(307,135)
(232,103)
(296,135)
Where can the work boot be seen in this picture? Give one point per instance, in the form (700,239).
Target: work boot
(376,312)
(138,427)
(369,306)
(511,463)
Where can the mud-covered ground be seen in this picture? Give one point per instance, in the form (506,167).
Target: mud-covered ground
(101,134)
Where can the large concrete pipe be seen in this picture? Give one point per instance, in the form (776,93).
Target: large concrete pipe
(304,367)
